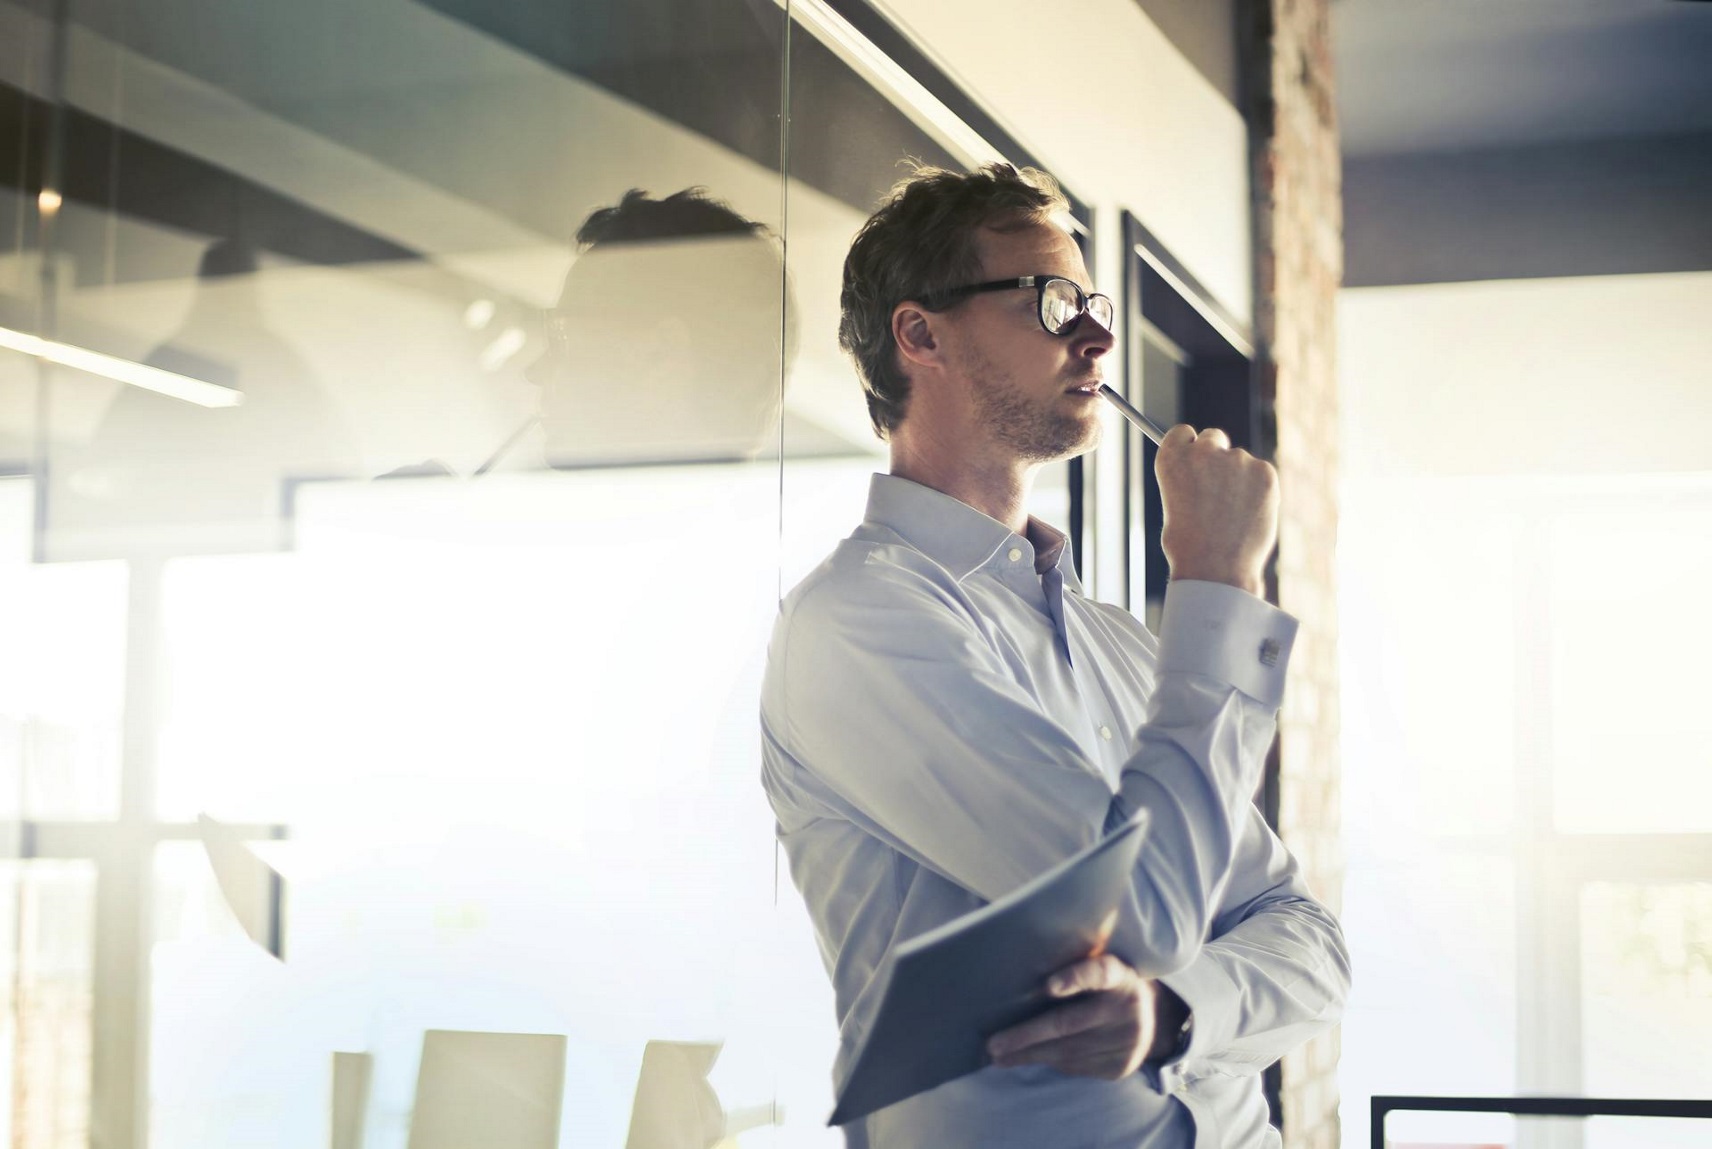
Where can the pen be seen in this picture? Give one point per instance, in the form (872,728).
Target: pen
(1142,423)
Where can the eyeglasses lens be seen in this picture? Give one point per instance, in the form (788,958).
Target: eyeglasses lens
(1100,307)
(1060,306)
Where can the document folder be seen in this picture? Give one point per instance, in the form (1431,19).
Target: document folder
(950,989)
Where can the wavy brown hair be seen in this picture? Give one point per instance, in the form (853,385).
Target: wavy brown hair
(919,245)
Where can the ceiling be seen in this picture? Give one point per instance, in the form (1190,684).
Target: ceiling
(1456,75)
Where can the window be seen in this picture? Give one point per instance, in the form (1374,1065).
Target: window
(1187,362)
(1528,857)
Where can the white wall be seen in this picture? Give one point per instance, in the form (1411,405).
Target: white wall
(1114,109)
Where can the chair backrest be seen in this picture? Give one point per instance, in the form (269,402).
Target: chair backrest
(352,1073)
(494,1090)
(675,1107)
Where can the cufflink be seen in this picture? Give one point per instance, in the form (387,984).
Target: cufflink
(1269,650)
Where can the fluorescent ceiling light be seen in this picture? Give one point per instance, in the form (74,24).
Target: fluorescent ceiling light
(920,106)
(123,370)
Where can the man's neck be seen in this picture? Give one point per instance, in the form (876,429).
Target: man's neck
(999,491)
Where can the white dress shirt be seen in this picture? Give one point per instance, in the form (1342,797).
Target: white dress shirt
(942,722)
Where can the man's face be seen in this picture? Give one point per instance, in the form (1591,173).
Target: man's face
(1033,394)
(663,350)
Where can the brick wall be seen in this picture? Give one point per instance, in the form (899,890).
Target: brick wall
(1299,262)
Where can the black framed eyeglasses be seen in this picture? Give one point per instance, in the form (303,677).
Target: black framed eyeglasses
(1061,301)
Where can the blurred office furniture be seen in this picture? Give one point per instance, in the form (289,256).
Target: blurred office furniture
(676,1107)
(495,1090)
(1384,1104)
(352,1073)
(253,889)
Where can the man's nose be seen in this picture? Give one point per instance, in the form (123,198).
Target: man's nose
(1090,338)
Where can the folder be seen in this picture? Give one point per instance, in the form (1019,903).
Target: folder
(950,989)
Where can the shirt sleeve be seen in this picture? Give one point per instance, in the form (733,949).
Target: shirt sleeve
(896,696)
(1275,973)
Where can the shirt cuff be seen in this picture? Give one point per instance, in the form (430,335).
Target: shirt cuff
(1213,999)
(1222,632)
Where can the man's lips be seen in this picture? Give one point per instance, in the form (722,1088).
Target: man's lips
(1086,387)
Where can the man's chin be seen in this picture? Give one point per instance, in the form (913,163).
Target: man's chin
(1086,440)
(1074,443)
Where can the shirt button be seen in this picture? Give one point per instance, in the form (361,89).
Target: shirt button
(1106,733)
(1016,553)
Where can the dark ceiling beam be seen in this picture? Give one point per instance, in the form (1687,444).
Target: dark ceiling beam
(1592,207)
(1205,32)
(845,138)
(111,169)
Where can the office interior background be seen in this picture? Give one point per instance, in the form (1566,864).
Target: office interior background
(385,574)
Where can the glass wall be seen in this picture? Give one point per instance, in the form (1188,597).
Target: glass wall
(394,397)
(411,412)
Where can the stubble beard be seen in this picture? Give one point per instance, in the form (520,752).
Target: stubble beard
(1037,428)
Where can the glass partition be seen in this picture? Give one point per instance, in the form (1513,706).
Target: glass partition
(410,418)
(398,385)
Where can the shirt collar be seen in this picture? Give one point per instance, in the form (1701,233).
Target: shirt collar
(947,530)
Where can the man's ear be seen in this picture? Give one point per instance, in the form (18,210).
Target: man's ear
(913,331)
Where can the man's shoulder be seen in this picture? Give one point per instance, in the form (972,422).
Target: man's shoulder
(870,569)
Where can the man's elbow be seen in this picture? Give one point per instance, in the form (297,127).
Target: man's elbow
(1170,957)
(1325,954)
(1171,938)
(1338,962)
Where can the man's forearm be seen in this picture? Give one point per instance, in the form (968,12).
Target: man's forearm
(1259,991)
(1209,725)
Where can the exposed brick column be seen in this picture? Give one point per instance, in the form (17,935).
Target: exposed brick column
(1299,265)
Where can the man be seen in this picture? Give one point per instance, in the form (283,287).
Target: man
(165,476)
(669,343)
(945,716)
(665,345)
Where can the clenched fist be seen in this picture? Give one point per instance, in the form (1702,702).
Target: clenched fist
(1221,508)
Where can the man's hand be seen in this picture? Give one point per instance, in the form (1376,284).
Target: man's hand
(1107,1028)
(1221,508)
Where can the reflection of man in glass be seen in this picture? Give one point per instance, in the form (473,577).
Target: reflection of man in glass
(667,341)
(946,716)
(165,475)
